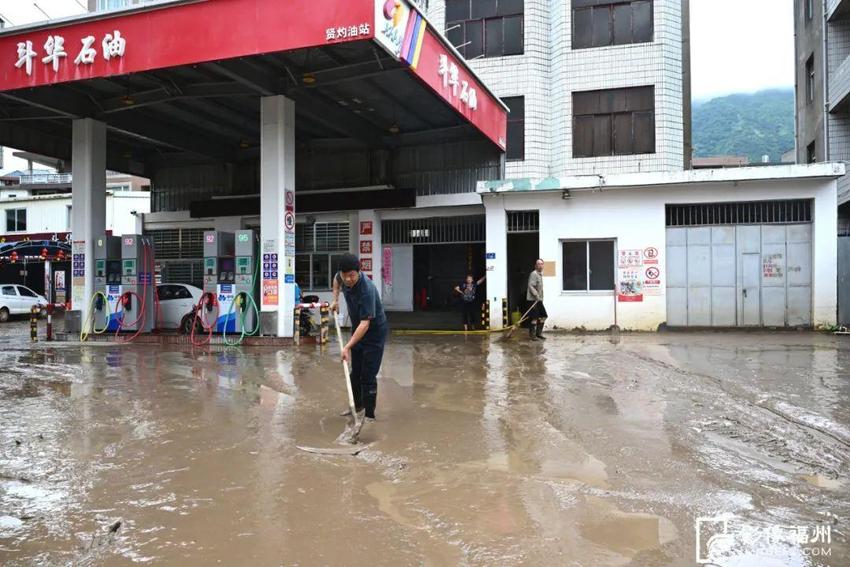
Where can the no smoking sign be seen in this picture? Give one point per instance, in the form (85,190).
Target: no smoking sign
(289,221)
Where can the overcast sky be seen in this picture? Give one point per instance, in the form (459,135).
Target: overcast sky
(741,46)
(736,45)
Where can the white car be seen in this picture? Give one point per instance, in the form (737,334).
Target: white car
(18,300)
(177,305)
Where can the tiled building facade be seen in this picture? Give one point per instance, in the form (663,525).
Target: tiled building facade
(823,100)
(555,67)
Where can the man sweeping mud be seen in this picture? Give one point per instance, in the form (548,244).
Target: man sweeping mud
(365,349)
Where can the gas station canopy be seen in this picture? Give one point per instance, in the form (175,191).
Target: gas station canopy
(180,83)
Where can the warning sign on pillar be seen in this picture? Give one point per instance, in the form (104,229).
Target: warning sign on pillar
(289,221)
(271,285)
(78,273)
(290,201)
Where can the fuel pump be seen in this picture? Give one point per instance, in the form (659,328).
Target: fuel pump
(103,314)
(244,306)
(219,279)
(136,303)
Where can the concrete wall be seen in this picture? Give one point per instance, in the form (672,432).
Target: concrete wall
(635,218)
(50,213)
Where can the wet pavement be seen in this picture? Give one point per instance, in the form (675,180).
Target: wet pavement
(582,450)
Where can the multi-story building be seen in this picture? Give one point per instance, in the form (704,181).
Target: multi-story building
(822,48)
(822,79)
(594,86)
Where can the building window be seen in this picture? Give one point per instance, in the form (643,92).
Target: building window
(810,10)
(810,79)
(318,248)
(597,23)
(811,154)
(516,128)
(16,220)
(614,122)
(111,4)
(485,28)
(588,265)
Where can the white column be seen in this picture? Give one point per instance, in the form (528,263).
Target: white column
(88,206)
(277,235)
(370,262)
(497,256)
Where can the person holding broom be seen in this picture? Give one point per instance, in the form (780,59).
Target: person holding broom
(365,349)
(534,296)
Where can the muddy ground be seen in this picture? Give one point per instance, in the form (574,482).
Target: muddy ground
(582,450)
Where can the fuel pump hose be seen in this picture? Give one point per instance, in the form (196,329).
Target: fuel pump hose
(84,332)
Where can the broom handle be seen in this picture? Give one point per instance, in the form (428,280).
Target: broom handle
(346,369)
(521,319)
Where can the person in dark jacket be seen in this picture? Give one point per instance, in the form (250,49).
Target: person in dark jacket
(369,329)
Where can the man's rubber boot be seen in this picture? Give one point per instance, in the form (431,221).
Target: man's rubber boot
(540,331)
(370,400)
(531,334)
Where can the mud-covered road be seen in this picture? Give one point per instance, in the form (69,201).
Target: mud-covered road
(578,451)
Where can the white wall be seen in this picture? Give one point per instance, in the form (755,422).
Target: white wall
(635,218)
(49,213)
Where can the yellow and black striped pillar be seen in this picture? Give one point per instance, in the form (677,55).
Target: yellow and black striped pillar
(485,315)
(34,323)
(505,320)
(324,310)
(296,329)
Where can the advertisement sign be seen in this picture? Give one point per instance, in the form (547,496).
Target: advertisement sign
(78,274)
(270,292)
(391,19)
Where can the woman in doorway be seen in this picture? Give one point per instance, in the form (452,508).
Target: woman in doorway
(468,291)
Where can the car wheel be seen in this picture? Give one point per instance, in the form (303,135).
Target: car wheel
(186,325)
(4,315)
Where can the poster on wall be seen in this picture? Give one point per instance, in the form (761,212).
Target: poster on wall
(629,284)
(78,273)
(366,264)
(629,258)
(59,286)
(365,228)
(365,246)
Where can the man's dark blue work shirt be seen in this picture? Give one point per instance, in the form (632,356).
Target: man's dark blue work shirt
(363,303)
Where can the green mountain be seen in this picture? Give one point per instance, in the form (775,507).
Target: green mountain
(745,124)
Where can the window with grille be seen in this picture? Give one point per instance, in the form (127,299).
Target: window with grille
(318,247)
(437,230)
(614,122)
(177,243)
(756,212)
(485,28)
(597,23)
(523,221)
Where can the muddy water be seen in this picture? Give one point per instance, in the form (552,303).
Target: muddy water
(577,451)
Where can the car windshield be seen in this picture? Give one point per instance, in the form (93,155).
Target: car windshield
(26,292)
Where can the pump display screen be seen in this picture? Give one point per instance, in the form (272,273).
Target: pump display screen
(129,267)
(226,270)
(209,266)
(243,266)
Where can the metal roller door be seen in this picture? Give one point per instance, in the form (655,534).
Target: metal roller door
(744,275)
